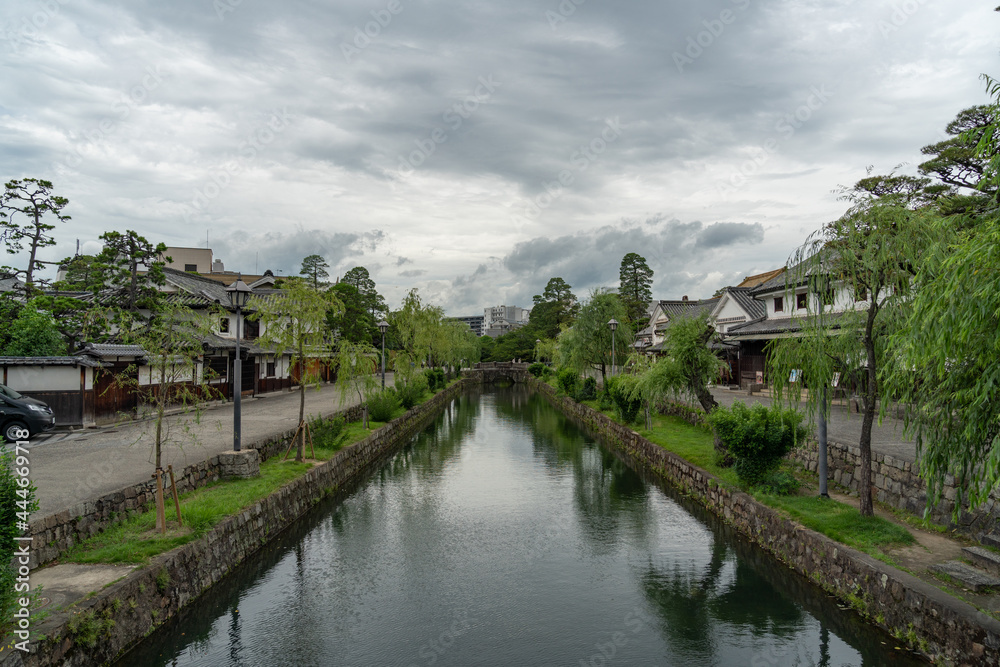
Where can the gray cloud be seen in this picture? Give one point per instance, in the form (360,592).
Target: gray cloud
(782,103)
(722,234)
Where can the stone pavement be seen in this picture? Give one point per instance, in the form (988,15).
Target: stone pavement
(843,427)
(72,467)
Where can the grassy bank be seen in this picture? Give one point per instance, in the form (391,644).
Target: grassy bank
(136,539)
(873,535)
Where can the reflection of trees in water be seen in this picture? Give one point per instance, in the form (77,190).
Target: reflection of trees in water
(694,603)
(610,498)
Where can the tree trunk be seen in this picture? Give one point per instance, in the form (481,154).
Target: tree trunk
(301,446)
(704,396)
(871,395)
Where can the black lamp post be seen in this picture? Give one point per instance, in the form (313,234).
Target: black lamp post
(383,326)
(613,324)
(238,293)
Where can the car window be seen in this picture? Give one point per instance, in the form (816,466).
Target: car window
(7,391)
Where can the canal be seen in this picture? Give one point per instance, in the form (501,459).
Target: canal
(505,535)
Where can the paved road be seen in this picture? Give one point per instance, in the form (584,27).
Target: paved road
(69,468)
(844,427)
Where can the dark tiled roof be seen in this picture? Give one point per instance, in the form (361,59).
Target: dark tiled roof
(743,296)
(688,308)
(50,361)
(112,350)
(200,291)
(784,325)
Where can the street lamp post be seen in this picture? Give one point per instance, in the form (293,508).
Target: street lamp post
(238,293)
(383,326)
(613,324)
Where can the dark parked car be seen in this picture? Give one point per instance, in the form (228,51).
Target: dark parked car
(21,416)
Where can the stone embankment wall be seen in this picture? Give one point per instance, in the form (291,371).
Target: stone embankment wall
(130,609)
(55,534)
(897,483)
(940,625)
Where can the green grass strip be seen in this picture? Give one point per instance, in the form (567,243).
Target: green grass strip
(134,540)
(836,520)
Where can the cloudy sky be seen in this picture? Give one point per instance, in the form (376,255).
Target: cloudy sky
(475,149)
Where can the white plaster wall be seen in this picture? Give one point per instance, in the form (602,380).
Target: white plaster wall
(43,378)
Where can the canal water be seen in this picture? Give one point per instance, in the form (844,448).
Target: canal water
(505,535)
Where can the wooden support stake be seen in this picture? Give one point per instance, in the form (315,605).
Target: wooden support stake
(177,500)
(292,443)
(312,446)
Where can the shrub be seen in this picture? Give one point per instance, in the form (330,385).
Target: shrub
(757,437)
(780,484)
(588,391)
(382,406)
(548,371)
(567,381)
(604,401)
(619,388)
(440,381)
(328,433)
(410,393)
(537,369)
(431,379)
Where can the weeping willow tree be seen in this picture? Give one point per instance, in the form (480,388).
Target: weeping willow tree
(949,344)
(866,260)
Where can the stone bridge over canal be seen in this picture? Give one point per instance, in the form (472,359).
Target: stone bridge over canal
(498,371)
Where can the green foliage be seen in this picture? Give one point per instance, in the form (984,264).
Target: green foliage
(411,392)
(359,278)
(162,580)
(436,379)
(314,268)
(24,206)
(554,309)
(687,365)
(757,437)
(33,334)
(588,390)
(588,343)
(353,322)
(636,280)
(536,369)
(124,257)
(621,389)
(328,433)
(383,405)
(947,367)
(87,628)
(779,484)
(567,380)
(357,371)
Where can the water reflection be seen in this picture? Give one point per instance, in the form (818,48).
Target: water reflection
(504,535)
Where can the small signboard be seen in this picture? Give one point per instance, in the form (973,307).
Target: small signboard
(760,377)
(795,375)
(836,379)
